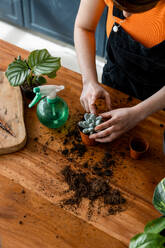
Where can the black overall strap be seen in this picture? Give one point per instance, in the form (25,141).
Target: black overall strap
(131,67)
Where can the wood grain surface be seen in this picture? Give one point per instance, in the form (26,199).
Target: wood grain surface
(11,112)
(31,183)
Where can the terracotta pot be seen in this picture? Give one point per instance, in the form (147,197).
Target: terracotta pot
(86,140)
(138,146)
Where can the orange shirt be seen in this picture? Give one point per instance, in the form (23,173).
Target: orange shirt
(148,27)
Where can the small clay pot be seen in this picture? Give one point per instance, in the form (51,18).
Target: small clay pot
(138,146)
(86,140)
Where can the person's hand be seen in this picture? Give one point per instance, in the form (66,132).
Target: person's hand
(117,122)
(90,93)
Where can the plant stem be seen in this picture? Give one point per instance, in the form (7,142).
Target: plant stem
(29,79)
(34,79)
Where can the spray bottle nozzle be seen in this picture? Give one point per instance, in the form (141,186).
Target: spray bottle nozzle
(47,90)
(36,89)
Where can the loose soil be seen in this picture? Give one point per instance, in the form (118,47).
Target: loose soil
(91,189)
(86,178)
(91,179)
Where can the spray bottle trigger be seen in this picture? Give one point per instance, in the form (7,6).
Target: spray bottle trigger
(35,100)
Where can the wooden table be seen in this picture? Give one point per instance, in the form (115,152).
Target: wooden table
(31,184)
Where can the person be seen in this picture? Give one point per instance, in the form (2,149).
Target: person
(135,60)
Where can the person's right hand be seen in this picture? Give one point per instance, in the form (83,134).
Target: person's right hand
(90,93)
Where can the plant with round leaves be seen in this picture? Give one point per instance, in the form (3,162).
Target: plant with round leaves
(154,232)
(29,71)
(89,123)
(159,197)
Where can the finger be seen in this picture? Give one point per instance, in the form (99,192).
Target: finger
(92,109)
(110,138)
(92,106)
(106,114)
(105,124)
(86,106)
(108,100)
(103,133)
(82,103)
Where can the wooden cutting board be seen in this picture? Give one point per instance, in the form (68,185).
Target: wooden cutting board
(11,112)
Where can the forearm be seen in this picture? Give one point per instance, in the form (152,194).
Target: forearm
(85,48)
(151,105)
(86,22)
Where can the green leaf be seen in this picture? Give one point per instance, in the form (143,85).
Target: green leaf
(159,197)
(42,63)
(52,75)
(40,80)
(155,226)
(147,240)
(17,72)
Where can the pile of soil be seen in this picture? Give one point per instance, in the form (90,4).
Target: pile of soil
(89,179)
(104,168)
(92,189)
(77,148)
(101,168)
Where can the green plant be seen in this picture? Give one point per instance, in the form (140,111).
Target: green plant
(154,232)
(29,71)
(91,121)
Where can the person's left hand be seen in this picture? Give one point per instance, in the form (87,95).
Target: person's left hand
(119,121)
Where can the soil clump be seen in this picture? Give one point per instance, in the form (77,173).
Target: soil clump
(92,189)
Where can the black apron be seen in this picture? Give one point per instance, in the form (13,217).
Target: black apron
(131,67)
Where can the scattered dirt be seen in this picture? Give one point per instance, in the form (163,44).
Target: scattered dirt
(90,179)
(23,191)
(77,148)
(114,210)
(45,146)
(92,189)
(80,149)
(87,179)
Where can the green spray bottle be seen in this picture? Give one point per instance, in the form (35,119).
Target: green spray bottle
(52,110)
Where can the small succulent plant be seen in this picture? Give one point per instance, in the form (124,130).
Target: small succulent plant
(90,122)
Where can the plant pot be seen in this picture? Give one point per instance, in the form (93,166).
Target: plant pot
(162,233)
(27,90)
(138,146)
(86,140)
